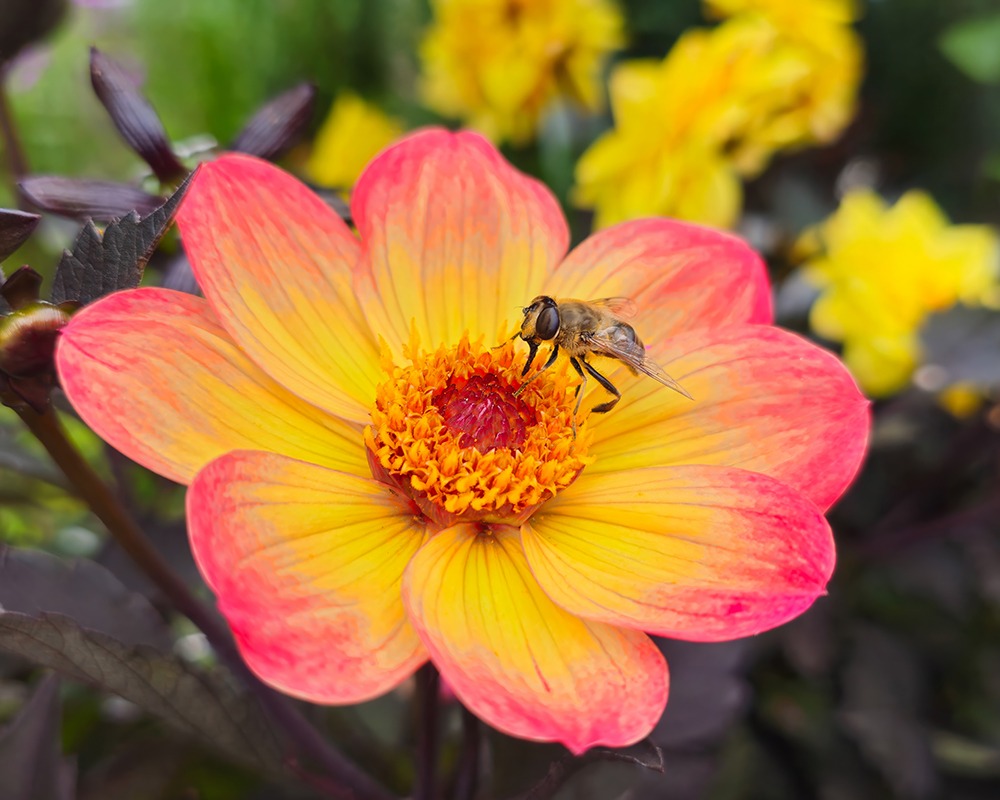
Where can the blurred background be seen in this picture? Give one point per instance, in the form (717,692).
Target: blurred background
(855,144)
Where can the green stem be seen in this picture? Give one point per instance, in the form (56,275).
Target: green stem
(349,780)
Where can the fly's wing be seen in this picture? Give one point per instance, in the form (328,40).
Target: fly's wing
(614,343)
(620,307)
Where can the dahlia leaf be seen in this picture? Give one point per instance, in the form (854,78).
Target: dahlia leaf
(31,761)
(100,264)
(15,228)
(83,199)
(133,116)
(205,706)
(277,125)
(33,582)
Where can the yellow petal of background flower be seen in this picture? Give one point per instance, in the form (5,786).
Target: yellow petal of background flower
(455,240)
(275,263)
(520,662)
(700,553)
(154,374)
(306,563)
(352,133)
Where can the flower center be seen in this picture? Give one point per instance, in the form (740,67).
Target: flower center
(448,431)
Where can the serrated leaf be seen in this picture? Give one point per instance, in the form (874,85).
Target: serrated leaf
(205,706)
(33,582)
(23,22)
(31,763)
(973,45)
(133,116)
(100,264)
(278,123)
(86,199)
(15,228)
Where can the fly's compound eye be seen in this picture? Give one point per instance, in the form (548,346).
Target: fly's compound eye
(547,324)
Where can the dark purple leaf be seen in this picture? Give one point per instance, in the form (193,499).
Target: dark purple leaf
(278,124)
(170,540)
(179,276)
(33,582)
(645,755)
(31,763)
(21,288)
(963,345)
(98,265)
(206,706)
(708,692)
(86,199)
(885,691)
(132,114)
(336,202)
(23,22)
(15,228)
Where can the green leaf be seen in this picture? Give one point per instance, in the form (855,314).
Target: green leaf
(204,706)
(973,45)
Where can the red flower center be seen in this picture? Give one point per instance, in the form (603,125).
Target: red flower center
(482,413)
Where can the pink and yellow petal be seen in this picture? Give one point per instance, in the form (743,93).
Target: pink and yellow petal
(518,661)
(276,263)
(307,563)
(456,240)
(765,400)
(699,553)
(154,374)
(681,276)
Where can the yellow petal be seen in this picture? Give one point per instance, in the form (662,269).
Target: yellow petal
(520,662)
(306,563)
(275,263)
(157,377)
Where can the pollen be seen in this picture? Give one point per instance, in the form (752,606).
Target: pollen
(449,433)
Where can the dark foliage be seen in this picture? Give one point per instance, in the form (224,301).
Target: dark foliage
(100,263)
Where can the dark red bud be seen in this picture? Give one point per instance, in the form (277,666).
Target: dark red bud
(28,339)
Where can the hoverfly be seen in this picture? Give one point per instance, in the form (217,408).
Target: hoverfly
(588,328)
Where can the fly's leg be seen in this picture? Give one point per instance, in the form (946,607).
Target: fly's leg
(551,360)
(602,408)
(579,389)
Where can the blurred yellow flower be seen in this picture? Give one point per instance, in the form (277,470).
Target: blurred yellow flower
(883,269)
(815,69)
(961,400)
(717,108)
(498,65)
(353,132)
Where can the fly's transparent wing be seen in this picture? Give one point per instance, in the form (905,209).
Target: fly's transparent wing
(613,343)
(621,307)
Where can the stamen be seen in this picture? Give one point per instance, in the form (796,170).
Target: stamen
(448,431)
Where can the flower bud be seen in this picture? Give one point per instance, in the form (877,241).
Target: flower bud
(27,345)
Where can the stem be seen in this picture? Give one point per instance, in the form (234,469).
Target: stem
(566,767)
(467,774)
(350,781)
(428,705)
(17,162)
